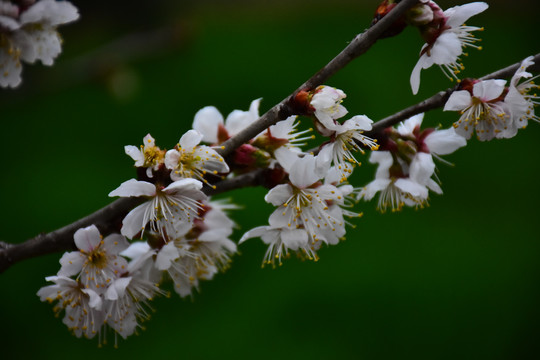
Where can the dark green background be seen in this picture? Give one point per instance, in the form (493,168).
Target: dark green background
(458,280)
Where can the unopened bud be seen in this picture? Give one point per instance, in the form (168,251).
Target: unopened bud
(382,10)
(420,14)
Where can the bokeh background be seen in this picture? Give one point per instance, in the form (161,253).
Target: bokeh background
(457,280)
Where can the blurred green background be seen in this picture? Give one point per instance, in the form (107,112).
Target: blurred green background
(457,280)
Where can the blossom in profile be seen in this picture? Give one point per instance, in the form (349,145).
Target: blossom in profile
(396,187)
(446,36)
(520,98)
(201,252)
(29,34)
(126,302)
(169,210)
(326,104)
(82,306)
(148,155)
(280,241)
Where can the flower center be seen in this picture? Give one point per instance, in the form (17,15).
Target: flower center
(152,156)
(98,259)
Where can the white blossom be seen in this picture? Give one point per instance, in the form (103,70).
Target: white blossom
(97,262)
(520,101)
(126,302)
(201,252)
(192,160)
(482,111)
(327,105)
(32,37)
(169,210)
(280,241)
(148,155)
(395,191)
(83,307)
(448,46)
(304,203)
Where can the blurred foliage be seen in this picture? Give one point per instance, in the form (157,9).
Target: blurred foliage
(456,280)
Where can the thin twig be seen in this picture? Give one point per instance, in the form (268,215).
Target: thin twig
(358,46)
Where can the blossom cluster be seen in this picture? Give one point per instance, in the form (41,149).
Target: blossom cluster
(28,33)
(179,233)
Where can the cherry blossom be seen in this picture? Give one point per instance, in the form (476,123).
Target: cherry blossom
(446,39)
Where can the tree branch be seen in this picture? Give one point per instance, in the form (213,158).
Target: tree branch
(358,46)
(108,219)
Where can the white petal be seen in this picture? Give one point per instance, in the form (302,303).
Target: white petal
(413,188)
(433,186)
(422,168)
(190,139)
(489,89)
(283,128)
(72,263)
(135,220)
(182,185)
(423,63)
(171,159)
(166,256)
(305,172)
(115,243)
(324,159)
(443,142)
(50,12)
(11,69)
(458,15)
(136,250)
(95,300)
(294,239)
(385,160)
(253,233)
(207,121)
(8,23)
(135,153)
(254,108)
(117,289)
(133,187)
(279,194)
(87,238)
(369,191)
(446,49)
(286,157)
(407,127)
(458,101)
(47,46)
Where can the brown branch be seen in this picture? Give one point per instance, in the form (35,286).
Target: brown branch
(358,46)
(108,218)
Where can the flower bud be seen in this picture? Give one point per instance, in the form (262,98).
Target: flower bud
(384,8)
